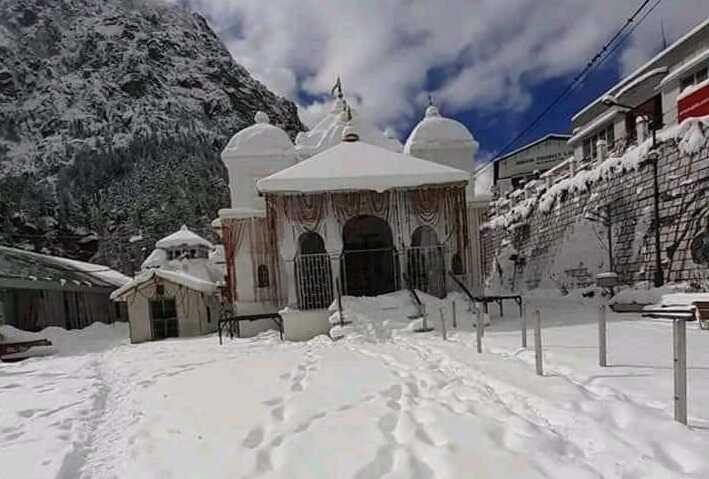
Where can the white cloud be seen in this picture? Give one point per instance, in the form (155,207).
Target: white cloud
(483,54)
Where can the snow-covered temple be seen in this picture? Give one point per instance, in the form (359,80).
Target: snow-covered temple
(347,208)
(175,294)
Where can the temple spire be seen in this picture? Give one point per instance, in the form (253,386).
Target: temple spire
(337,88)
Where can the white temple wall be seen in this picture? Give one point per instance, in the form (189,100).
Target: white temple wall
(244,172)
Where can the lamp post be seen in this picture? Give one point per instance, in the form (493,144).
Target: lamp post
(659,278)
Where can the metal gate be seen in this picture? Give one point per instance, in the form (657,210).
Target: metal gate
(370,272)
(313,276)
(426,269)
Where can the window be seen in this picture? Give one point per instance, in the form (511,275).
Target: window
(263,281)
(163,318)
(693,79)
(590,144)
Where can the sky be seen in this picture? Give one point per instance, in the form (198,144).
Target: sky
(491,64)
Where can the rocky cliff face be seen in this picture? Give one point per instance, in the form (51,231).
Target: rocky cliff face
(112,117)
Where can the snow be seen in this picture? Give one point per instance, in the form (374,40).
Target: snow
(382,401)
(177,277)
(98,271)
(358,165)
(183,237)
(692,88)
(435,131)
(483,181)
(644,296)
(686,66)
(260,139)
(600,121)
(690,134)
(328,132)
(637,81)
(683,299)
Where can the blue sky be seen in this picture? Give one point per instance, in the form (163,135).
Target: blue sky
(494,132)
(492,64)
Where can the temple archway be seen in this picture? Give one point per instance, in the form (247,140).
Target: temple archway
(369,262)
(313,273)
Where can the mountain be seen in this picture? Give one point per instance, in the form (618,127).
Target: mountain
(112,117)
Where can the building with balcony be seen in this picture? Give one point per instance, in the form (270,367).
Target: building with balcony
(669,88)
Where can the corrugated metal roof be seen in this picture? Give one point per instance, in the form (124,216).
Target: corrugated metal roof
(16,264)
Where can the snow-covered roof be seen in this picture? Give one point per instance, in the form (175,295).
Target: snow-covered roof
(183,237)
(260,139)
(155,260)
(595,124)
(328,132)
(26,265)
(356,165)
(643,68)
(550,136)
(176,277)
(436,131)
(685,67)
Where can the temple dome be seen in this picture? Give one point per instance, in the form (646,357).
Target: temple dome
(259,139)
(183,237)
(255,152)
(438,132)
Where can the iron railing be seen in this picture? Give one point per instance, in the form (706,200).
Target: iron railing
(313,275)
(426,270)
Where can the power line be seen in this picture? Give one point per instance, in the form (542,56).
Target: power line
(593,64)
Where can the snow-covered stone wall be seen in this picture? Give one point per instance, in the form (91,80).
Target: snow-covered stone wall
(555,236)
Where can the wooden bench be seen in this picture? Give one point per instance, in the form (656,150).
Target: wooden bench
(230,324)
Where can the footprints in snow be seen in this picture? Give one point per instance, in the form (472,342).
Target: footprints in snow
(256,438)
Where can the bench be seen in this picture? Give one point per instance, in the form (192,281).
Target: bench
(702,313)
(15,347)
(485,300)
(230,324)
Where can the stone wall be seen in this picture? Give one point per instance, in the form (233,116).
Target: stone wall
(558,246)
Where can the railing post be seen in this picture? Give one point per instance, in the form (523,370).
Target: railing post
(444,333)
(538,342)
(455,320)
(679,331)
(602,352)
(479,333)
(524,326)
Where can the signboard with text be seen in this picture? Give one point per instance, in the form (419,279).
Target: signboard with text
(542,157)
(693,105)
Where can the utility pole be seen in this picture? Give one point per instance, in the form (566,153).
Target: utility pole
(659,275)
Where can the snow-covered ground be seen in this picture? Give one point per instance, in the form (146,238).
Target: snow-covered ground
(381,402)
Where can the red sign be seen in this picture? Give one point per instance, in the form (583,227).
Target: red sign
(693,105)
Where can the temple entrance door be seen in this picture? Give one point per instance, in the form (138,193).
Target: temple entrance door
(369,262)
